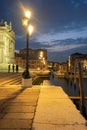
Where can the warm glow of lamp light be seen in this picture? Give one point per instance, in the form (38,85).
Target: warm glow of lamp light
(44,62)
(27,14)
(25,21)
(41,54)
(30,29)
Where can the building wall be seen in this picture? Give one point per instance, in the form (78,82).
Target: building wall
(7,43)
(36,60)
(75,58)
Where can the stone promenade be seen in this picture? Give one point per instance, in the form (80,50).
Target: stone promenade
(42,107)
(55,111)
(17,107)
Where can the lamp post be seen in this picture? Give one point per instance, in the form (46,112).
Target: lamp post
(28,30)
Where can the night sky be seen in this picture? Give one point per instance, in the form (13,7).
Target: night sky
(60,26)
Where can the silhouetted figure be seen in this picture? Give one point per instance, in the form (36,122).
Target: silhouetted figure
(13,67)
(8,68)
(17,68)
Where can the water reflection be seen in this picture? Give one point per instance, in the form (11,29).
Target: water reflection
(69,88)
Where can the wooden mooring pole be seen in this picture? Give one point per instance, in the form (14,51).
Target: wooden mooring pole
(71,76)
(75,78)
(83,110)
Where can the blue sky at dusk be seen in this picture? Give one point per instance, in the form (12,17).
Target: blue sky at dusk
(60,26)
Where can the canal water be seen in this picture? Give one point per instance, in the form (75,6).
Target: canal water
(70,89)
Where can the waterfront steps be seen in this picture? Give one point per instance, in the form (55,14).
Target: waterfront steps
(17,107)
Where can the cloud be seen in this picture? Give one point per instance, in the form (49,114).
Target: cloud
(77,3)
(61,48)
(63,55)
(73,34)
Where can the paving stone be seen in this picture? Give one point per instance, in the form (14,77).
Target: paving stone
(58,127)
(30,103)
(19,109)
(23,100)
(19,116)
(15,123)
(27,98)
(2,115)
(16,129)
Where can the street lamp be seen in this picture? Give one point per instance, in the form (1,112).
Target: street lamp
(28,30)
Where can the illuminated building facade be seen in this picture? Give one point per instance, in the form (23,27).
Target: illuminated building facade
(7,43)
(37,58)
(76,58)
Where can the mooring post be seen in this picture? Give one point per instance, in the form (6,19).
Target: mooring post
(71,76)
(83,110)
(75,77)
